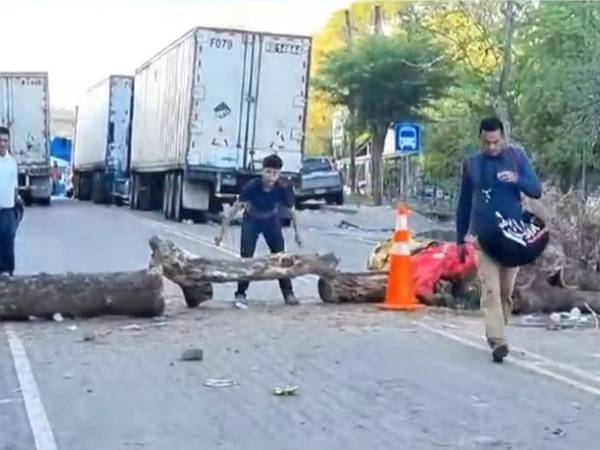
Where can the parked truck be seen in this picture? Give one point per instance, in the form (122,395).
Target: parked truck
(25,110)
(103,141)
(208,109)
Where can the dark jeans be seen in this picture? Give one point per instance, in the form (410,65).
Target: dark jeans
(271,231)
(8,229)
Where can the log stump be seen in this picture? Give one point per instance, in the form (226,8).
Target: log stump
(138,294)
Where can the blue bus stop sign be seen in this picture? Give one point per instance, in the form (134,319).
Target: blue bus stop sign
(408,137)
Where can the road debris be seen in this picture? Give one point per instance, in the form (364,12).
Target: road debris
(72,328)
(193,354)
(220,383)
(6,401)
(57,317)
(285,391)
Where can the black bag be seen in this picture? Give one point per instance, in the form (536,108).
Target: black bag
(514,242)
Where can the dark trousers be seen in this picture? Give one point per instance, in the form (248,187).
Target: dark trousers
(271,231)
(8,229)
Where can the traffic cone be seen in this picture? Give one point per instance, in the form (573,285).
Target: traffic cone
(400,293)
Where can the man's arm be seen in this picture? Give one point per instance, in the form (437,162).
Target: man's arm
(463,211)
(528,182)
(296,227)
(235,209)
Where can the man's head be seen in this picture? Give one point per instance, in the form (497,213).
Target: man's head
(4,140)
(271,170)
(491,133)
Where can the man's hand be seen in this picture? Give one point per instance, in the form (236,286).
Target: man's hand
(299,240)
(462,253)
(508,177)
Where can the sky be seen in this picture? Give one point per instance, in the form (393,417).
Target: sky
(82,42)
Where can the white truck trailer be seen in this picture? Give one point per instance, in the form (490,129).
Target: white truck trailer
(207,109)
(25,110)
(103,141)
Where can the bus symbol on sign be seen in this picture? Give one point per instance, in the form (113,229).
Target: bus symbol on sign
(408,137)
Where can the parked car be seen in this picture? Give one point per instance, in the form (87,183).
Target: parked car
(319,179)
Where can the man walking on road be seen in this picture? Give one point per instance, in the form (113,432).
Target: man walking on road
(492,183)
(8,196)
(261,200)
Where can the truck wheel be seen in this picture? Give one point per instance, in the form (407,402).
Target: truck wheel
(168,196)
(45,201)
(177,194)
(133,200)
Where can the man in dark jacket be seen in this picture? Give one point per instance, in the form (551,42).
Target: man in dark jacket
(492,182)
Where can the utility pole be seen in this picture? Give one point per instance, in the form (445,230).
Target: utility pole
(350,132)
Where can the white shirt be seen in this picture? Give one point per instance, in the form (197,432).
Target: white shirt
(8,181)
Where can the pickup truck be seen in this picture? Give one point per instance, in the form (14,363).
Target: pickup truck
(319,179)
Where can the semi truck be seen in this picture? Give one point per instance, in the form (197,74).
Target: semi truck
(25,111)
(208,108)
(103,140)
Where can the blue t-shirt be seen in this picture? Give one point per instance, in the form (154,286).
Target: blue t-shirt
(482,194)
(265,205)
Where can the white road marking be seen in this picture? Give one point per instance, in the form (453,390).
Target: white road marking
(38,420)
(532,367)
(206,242)
(575,371)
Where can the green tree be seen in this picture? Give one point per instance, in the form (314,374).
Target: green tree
(385,78)
(558,96)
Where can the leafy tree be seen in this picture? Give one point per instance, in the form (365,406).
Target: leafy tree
(332,38)
(385,79)
(558,87)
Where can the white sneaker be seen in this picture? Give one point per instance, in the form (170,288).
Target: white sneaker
(241,302)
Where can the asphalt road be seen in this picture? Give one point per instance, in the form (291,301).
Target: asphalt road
(366,379)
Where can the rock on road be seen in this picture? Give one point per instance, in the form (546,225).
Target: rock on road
(366,379)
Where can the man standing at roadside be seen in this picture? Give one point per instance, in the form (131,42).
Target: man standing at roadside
(492,183)
(8,196)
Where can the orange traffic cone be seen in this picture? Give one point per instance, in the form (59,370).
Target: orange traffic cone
(400,294)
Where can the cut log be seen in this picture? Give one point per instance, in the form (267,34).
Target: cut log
(181,268)
(138,294)
(540,297)
(370,287)
(364,287)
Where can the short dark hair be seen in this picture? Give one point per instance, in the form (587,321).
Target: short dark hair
(4,130)
(491,124)
(272,162)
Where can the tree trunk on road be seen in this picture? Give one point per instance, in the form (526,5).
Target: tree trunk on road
(82,295)
(194,275)
(364,287)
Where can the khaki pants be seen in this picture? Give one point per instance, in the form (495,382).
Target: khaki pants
(497,283)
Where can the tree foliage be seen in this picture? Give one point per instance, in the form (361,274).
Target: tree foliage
(333,38)
(558,89)
(385,78)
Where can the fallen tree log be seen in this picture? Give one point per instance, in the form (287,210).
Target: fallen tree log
(194,272)
(370,287)
(138,294)
(363,287)
(540,297)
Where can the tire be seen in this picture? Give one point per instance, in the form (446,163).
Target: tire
(335,199)
(83,188)
(167,205)
(133,200)
(177,196)
(45,201)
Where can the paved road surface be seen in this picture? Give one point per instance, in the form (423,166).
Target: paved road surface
(367,379)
